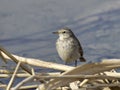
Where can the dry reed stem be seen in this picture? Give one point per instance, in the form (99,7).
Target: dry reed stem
(110,77)
(92,68)
(3,85)
(23,82)
(20,75)
(13,76)
(10,56)
(35,62)
(72,73)
(104,85)
(83,82)
(4,59)
(5,72)
(33,71)
(28,87)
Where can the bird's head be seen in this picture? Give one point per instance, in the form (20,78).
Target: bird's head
(64,33)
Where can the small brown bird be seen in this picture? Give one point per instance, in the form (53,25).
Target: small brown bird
(68,46)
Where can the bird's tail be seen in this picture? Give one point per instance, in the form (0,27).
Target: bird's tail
(82,59)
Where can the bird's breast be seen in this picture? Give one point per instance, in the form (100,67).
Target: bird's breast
(67,50)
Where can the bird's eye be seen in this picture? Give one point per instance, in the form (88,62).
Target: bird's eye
(64,32)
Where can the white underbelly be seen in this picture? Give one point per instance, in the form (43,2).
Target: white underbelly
(68,53)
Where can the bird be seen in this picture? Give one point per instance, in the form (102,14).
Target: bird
(68,46)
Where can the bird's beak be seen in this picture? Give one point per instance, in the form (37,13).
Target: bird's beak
(55,32)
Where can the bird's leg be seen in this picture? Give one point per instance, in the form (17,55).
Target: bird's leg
(75,63)
(65,63)
(63,71)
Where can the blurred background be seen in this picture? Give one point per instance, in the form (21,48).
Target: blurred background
(26,27)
